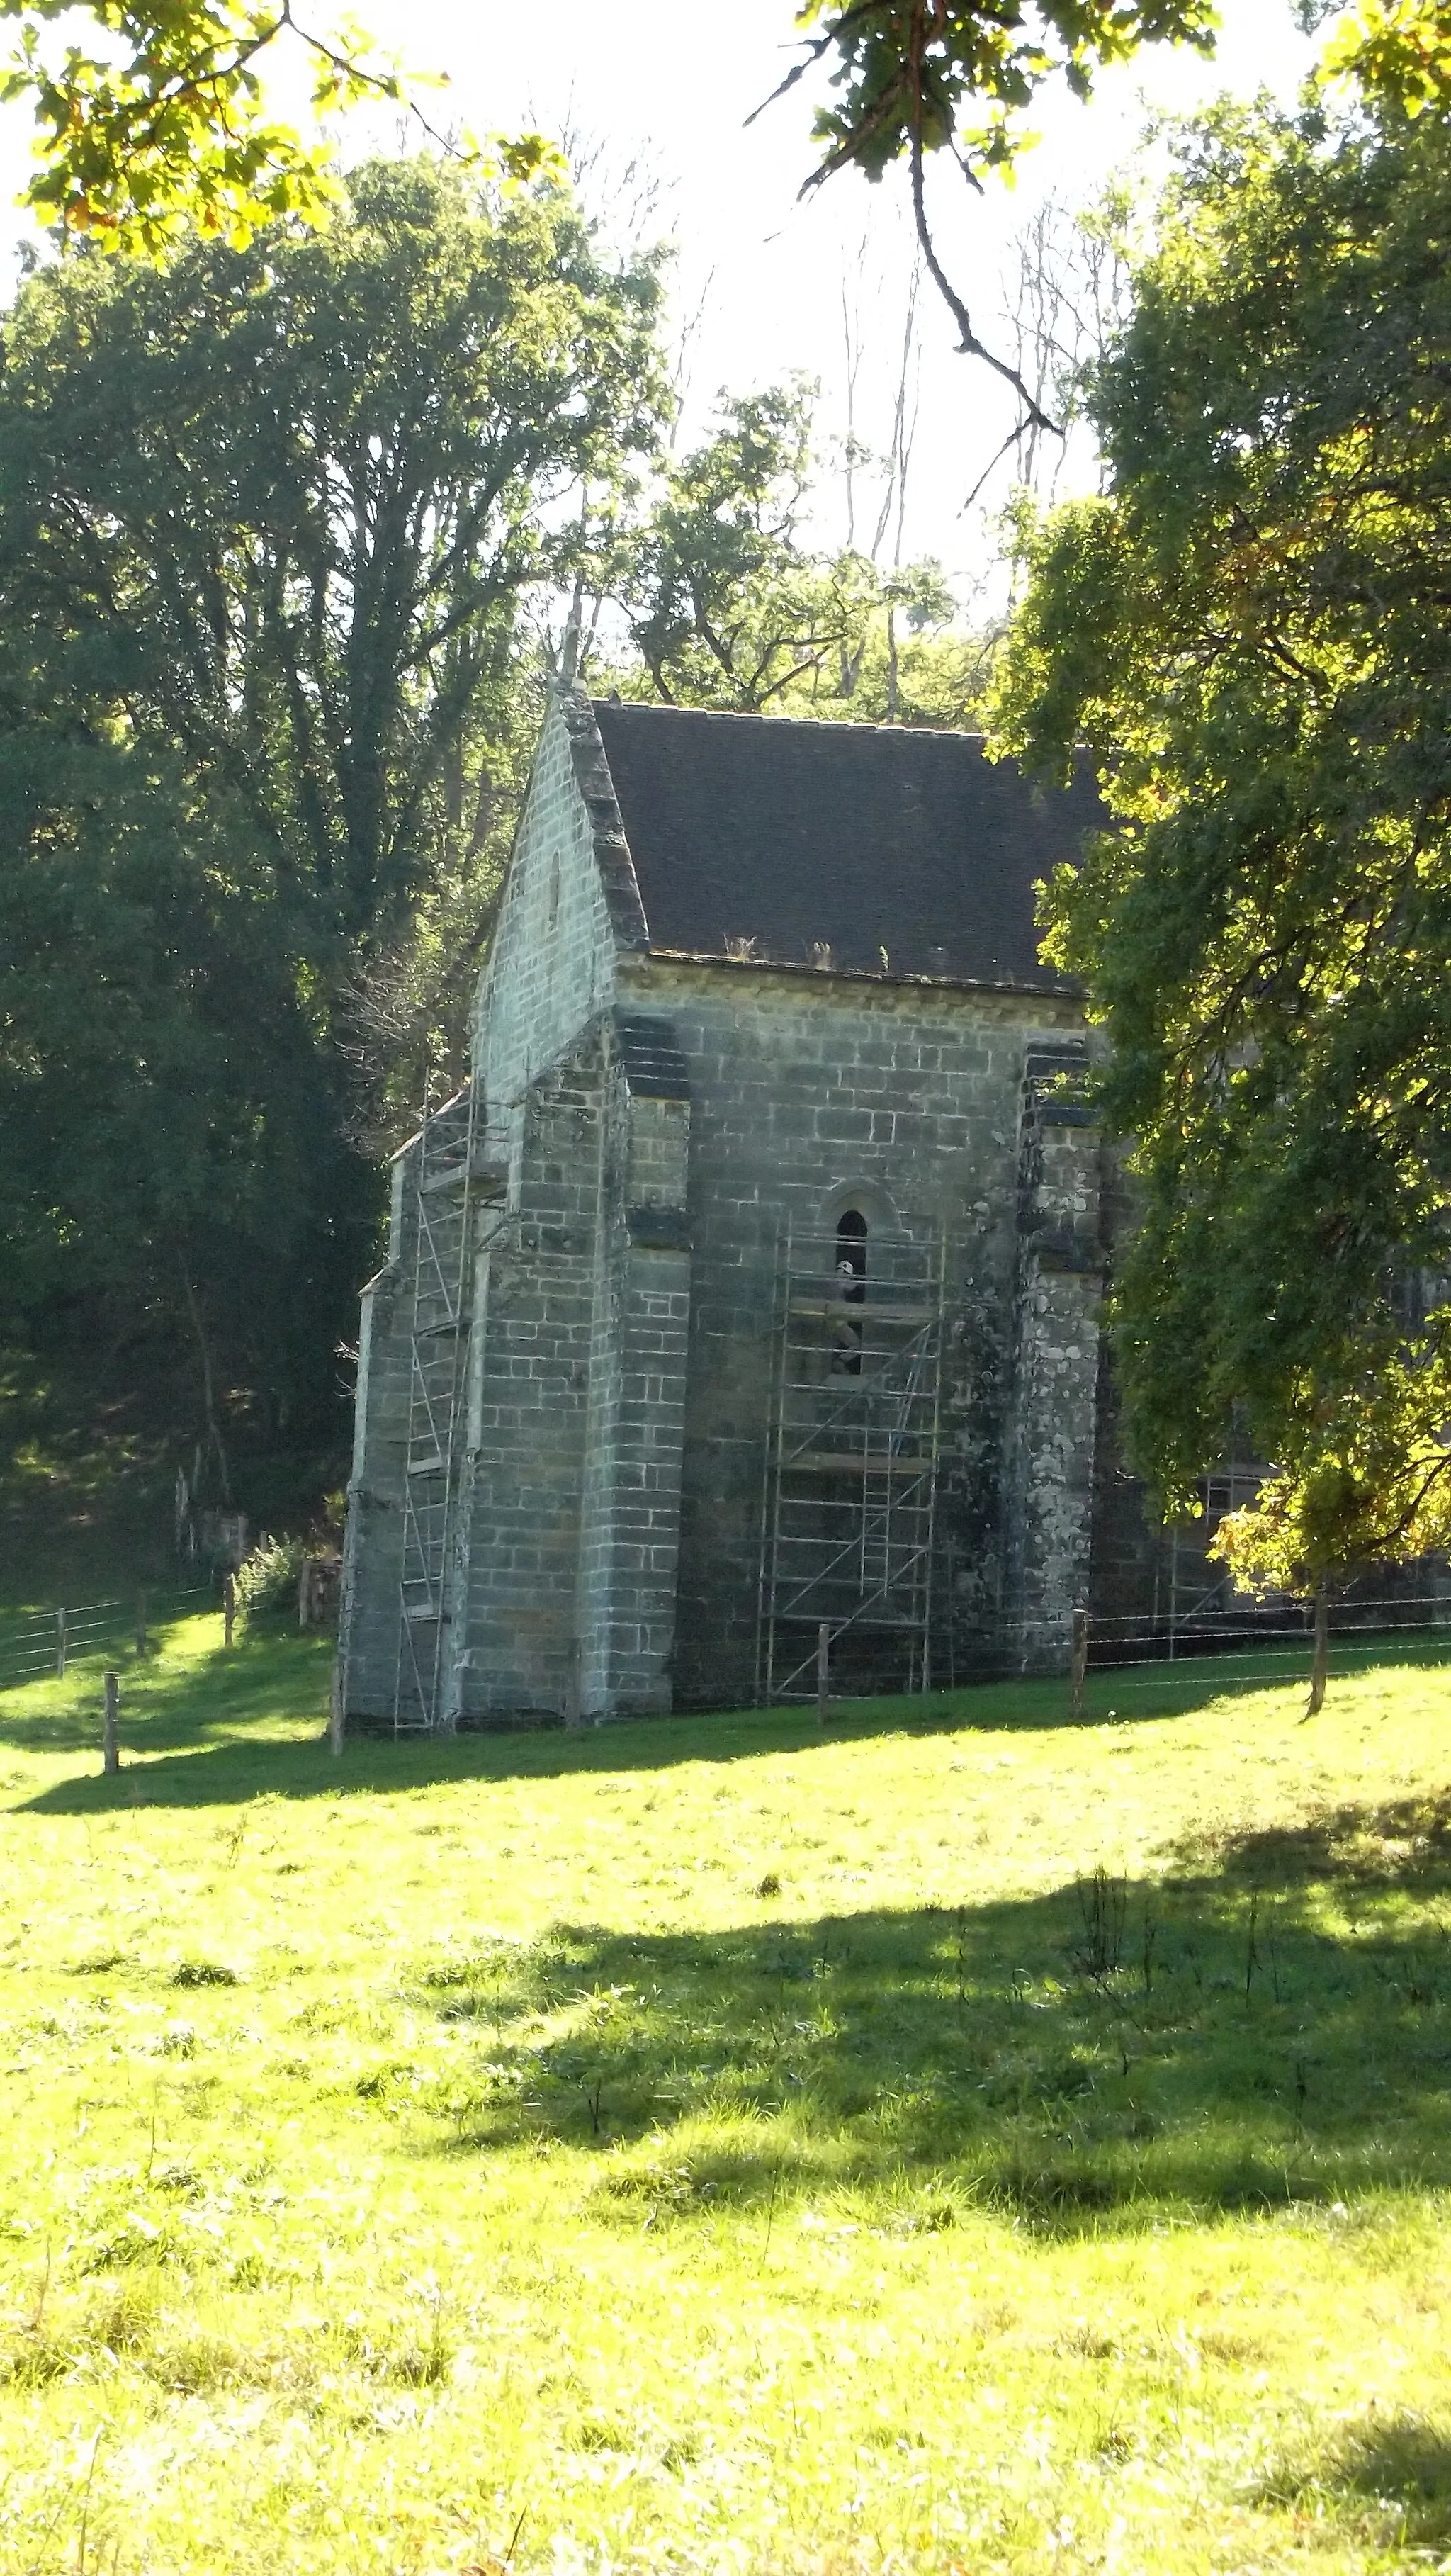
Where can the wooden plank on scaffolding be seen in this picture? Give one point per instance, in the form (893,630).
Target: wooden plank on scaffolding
(833,1462)
(873,1310)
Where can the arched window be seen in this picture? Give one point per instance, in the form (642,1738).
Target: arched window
(851,1289)
(851,1248)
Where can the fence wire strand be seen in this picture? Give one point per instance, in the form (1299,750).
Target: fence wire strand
(31,1650)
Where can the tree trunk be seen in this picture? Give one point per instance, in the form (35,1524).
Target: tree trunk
(209,1395)
(1320,1659)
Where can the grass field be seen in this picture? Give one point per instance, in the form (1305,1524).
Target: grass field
(968,2142)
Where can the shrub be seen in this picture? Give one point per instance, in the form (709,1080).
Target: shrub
(267,1581)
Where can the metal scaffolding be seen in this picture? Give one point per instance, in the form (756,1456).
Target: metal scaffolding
(1197,1597)
(849,1508)
(455,1168)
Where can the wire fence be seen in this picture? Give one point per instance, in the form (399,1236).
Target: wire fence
(1273,1642)
(1132,1652)
(1242,1664)
(1161,1651)
(39,1645)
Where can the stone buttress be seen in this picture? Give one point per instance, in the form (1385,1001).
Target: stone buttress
(1053,1433)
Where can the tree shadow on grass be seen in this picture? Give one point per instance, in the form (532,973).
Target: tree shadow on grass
(1101,2055)
(1396,2468)
(206,1708)
(199,1737)
(1397,1842)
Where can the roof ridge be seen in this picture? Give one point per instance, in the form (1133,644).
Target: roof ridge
(803,724)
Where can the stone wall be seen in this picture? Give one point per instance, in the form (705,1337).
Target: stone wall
(806,1088)
(551,970)
(566,1595)
(630,1529)
(559,1585)
(1053,1427)
(529,1405)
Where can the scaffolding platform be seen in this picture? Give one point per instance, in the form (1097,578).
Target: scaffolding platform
(849,1506)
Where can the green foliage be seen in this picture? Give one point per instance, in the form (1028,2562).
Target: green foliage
(1364,1480)
(291,501)
(915,76)
(172,1128)
(622,2143)
(267,1579)
(726,605)
(912,74)
(266,528)
(729,604)
(168,129)
(1251,633)
(171,128)
(1397,52)
(905,673)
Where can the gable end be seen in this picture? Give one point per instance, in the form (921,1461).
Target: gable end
(597,795)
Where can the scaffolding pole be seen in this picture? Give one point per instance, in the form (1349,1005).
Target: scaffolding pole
(455,1167)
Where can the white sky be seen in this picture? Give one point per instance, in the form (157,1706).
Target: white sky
(672,85)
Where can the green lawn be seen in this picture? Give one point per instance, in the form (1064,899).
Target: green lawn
(968,2142)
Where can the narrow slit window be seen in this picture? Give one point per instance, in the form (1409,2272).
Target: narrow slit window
(851,1290)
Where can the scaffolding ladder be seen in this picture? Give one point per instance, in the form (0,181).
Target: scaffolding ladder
(456,1167)
(849,1505)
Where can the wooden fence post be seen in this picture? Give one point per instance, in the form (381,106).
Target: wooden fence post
(60,1645)
(823,1671)
(111,1759)
(229,1606)
(1078,1663)
(143,1642)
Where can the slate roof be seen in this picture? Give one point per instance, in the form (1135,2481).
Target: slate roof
(797,836)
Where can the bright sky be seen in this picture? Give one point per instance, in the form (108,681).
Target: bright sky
(669,86)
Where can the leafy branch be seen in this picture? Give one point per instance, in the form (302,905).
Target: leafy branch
(170,129)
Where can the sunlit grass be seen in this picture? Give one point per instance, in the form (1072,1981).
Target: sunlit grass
(967,2141)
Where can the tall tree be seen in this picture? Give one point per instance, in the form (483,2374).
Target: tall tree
(728,603)
(266,525)
(1250,630)
(173,1130)
(294,495)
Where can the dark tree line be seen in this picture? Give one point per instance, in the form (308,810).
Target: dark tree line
(270,524)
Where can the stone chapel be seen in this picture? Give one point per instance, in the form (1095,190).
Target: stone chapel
(744,1307)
